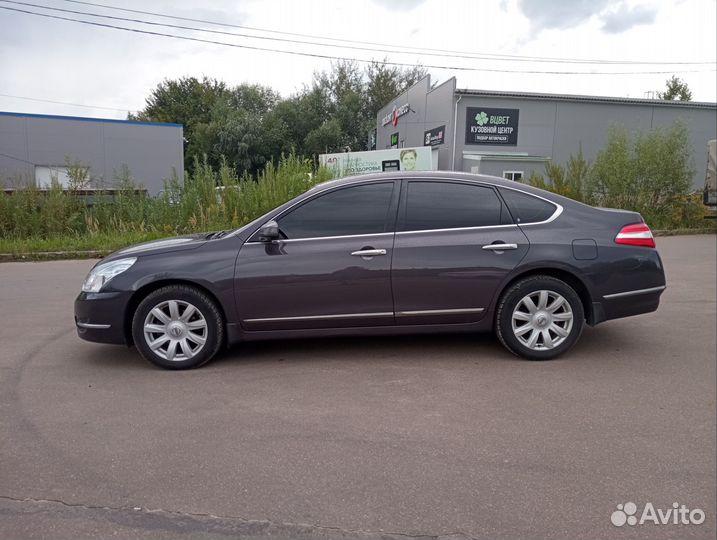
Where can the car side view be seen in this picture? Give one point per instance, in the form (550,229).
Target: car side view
(391,253)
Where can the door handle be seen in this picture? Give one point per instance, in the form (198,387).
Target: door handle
(368,252)
(500,247)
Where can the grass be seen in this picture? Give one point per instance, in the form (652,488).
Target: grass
(97,242)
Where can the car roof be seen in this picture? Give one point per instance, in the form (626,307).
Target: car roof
(437,175)
(451,175)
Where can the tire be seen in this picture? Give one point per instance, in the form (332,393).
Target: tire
(547,331)
(178,327)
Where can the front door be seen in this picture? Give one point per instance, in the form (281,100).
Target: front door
(455,242)
(332,270)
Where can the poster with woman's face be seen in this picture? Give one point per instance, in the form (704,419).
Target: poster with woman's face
(408,159)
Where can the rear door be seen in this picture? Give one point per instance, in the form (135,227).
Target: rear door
(333,268)
(455,242)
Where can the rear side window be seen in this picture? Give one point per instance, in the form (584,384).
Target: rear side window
(348,211)
(445,205)
(526,208)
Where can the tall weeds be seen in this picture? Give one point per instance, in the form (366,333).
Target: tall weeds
(209,199)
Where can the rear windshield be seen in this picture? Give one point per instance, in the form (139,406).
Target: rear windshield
(526,208)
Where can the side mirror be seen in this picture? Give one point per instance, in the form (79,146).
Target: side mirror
(268,232)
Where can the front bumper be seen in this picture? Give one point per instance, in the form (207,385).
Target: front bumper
(100,317)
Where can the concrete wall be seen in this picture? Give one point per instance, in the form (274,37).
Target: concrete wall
(152,152)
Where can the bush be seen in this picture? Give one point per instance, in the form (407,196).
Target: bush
(650,173)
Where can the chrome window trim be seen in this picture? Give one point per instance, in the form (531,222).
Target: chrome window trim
(634,293)
(439,312)
(93,326)
(322,317)
(458,229)
(291,240)
(556,214)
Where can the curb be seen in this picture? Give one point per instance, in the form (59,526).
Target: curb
(53,255)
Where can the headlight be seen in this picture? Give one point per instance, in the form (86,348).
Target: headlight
(102,273)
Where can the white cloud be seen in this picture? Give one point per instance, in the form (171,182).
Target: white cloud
(66,61)
(560,13)
(625,17)
(399,5)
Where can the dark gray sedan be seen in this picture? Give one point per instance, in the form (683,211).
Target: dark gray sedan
(393,253)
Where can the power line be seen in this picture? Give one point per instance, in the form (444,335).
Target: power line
(424,50)
(65,103)
(331,57)
(235,34)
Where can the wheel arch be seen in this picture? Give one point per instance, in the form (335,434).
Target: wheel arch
(569,277)
(148,288)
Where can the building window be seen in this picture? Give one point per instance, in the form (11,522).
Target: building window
(513,175)
(45,175)
(65,176)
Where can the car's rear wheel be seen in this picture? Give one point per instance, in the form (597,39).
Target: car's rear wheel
(178,327)
(539,317)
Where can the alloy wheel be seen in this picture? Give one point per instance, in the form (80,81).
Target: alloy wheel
(175,330)
(542,320)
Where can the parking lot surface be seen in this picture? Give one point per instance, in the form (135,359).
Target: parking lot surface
(432,436)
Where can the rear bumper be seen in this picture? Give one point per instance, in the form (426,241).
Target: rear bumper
(99,317)
(627,303)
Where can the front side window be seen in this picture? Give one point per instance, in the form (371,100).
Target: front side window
(348,211)
(446,205)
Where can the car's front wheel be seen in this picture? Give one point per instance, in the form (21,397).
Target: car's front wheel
(178,327)
(539,317)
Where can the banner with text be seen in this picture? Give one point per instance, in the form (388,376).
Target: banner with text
(399,159)
(491,126)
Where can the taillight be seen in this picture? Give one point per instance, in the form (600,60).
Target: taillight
(637,234)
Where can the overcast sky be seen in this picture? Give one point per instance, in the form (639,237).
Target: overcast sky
(65,61)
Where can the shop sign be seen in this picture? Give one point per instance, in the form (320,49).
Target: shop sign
(491,126)
(395,114)
(434,137)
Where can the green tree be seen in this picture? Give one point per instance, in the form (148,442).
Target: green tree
(218,121)
(188,101)
(298,116)
(675,89)
(354,97)
(249,125)
(239,130)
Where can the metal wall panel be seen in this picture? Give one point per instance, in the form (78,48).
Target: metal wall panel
(152,152)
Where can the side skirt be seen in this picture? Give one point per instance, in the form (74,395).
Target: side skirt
(235,333)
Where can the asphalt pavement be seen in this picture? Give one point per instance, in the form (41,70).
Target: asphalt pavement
(430,436)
